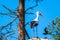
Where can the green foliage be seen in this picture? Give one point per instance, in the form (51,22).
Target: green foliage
(54,28)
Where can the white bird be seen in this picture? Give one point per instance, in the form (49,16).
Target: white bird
(37,15)
(34,22)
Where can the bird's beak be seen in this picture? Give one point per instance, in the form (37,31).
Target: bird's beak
(40,14)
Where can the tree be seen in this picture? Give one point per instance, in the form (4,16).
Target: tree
(20,15)
(54,28)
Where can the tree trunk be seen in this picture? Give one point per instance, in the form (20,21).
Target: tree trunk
(21,32)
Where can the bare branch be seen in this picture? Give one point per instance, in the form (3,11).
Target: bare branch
(8,24)
(10,34)
(1,39)
(9,10)
(29,13)
(6,14)
(38,1)
(31,7)
(26,23)
(14,37)
(27,34)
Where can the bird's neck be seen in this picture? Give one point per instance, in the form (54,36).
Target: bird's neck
(36,19)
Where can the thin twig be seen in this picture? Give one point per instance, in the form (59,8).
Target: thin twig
(10,34)
(31,7)
(26,23)
(29,13)
(6,14)
(14,37)
(8,24)
(9,10)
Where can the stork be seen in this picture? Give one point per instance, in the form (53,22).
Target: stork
(34,22)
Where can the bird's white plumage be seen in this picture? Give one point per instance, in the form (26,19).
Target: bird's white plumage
(37,15)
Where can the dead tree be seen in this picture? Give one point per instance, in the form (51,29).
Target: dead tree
(21,20)
(20,15)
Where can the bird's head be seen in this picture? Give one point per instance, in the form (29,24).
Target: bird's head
(38,13)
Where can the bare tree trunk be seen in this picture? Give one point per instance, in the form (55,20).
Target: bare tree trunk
(21,20)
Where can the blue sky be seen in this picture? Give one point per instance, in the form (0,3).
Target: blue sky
(13,5)
(48,8)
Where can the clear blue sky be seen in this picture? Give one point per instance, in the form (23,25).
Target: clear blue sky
(48,8)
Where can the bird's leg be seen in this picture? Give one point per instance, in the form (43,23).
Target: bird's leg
(34,33)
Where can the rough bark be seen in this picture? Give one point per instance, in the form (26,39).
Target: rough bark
(21,20)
